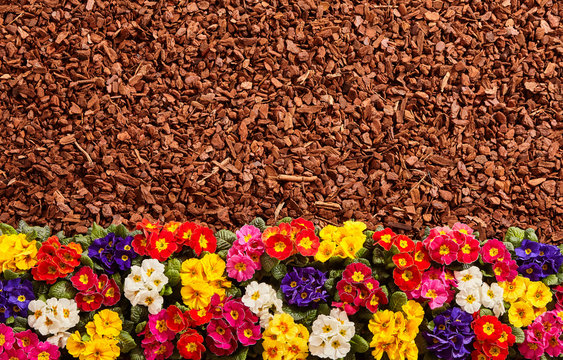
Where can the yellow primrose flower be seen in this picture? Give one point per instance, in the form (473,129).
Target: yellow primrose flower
(351,244)
(91,328)
(192,269)
(538,294)
(414,312)
(355,227)
(75,345)
(16,253)
(100,349)
(282,327)
(538,311)
(339,251)
(513,290)
(329,233)
(521,314)
(326,251)
(107,323)
(213,266)
(196,294)
(382,324)
(273,349)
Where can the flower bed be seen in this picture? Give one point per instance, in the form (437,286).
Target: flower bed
(291,291)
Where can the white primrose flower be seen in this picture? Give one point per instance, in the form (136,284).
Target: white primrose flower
(347,328)
(150,268)
(158,280)
(59,339)
(257,295)
(67,313)
(36,312)
(492,297)
(134,280)
(337,348)
(152,300)
(326,326)
(317,345)
(470,278)
(143,285)
(330,335)
(469,299)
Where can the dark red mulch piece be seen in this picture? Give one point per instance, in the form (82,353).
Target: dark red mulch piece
(410,114)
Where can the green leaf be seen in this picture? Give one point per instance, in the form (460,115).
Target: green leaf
(136,354)
(259,223)
(128,326)
(9,274)
(138,313)
(514,235)
(166,290)
(279,271)
(226,235)
(509,246)
(378,256)
(323,309)
(420,344)
(223,244)
(329,284)
(300,315)
(18,329)
(362,261)
(126,342)
(84,241)
(486,312)
(551,280)
(20,321)
(10,320)
(174,264)
(121,231)
(140,327)
(359,344)
(234,292)
(62,289)
(97,232)
(398,299)
(518,334)
(363,252)
(6,229)
(268,262)
(173,277)
(530,234)
(285,220)
(86,260)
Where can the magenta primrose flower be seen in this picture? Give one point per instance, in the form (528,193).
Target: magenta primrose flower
(6,338)
(240,267)
(434,291)
(247,233)
(44,351)
(249,333)
(27,339)
(158,328)
(234,313)
(159,351)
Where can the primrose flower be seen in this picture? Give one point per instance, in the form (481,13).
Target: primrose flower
(435,292)
(469,278)
(240,267)
(469,299)
(493,250)
(443,250)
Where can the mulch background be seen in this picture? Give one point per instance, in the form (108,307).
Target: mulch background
(402,113)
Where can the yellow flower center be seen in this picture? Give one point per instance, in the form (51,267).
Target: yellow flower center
(358,276)
(528,251)
(327,328)
(234,314)
(444,250)
(161,244)
(83,279)
(280,246)
(248,333)
(488,328)
(386,238)
(127,248)
(431,294)
(466,249)
(470,299)
(203,242)
(43,356)
(493,252)
(407,275)
(161,325)
(306,243)
(21,298)
(256,295)
(403,243)
(240,266)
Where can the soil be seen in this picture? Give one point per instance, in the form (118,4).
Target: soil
(402,113)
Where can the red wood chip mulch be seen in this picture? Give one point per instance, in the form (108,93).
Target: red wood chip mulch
(405,113)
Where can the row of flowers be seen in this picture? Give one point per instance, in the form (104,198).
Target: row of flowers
(291,291)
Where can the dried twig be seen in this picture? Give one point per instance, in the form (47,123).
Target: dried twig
(84,152)
(295,178)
